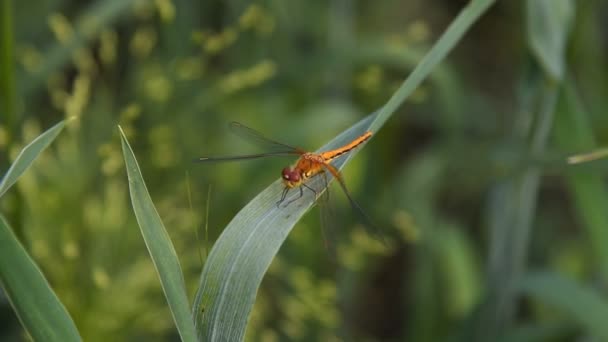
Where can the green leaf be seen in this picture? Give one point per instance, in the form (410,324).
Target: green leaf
(583,305)
(574,132)
(549,22)
(159,246)
(239,259)
(438,52)
(27,156)
(41,313)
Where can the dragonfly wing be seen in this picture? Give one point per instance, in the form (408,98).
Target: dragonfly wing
(328,226)
(273,148)
(257,138)
(371,228)
(244,157)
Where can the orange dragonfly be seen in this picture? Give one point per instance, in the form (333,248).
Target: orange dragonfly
(308,165)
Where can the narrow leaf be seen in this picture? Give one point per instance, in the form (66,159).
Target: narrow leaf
(549,22)
(588,156)
(159,246)
(239,259)
(467,17)
(41,313)
(27,156)
(574,132)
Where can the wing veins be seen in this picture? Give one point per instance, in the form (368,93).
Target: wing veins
(246,157)
(259,139)
(367,222)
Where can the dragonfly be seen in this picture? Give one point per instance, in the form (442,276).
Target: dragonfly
(308,166)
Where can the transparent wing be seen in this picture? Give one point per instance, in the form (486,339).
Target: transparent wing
(243,157)
(257,138)
(272,148)
(371,228)
(328,221)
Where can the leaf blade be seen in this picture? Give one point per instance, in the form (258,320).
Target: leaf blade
(549,23)
(27,156)
(159,245)
(223,302)
(37,306)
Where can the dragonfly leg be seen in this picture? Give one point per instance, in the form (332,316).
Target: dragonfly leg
(283,196)
(297,198)
(311,189)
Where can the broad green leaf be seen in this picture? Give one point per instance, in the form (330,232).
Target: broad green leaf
(239,259)
(27,156)
(41,313)
(159,246)
(585,306)
(549,22)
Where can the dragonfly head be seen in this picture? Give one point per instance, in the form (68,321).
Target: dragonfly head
(291,177)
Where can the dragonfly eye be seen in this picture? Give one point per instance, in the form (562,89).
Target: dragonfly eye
(290,175)
(286,173)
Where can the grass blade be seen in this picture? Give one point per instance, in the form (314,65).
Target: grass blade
(588,156)
(438,52)
(159,246)
(244,251)
(27,156)
(41,313)
(574,132)
(549,23)
(514,201)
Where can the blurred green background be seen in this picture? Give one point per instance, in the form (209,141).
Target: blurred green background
(490,234)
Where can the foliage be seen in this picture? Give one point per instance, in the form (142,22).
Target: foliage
(490,233)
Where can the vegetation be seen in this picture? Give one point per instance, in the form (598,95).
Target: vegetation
(485,172)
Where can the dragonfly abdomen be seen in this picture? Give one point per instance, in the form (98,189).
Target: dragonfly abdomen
(333,154)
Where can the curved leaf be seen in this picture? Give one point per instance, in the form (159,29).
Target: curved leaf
(244,251)
(159,246)
(27,156)
(239,259)
(41,313)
